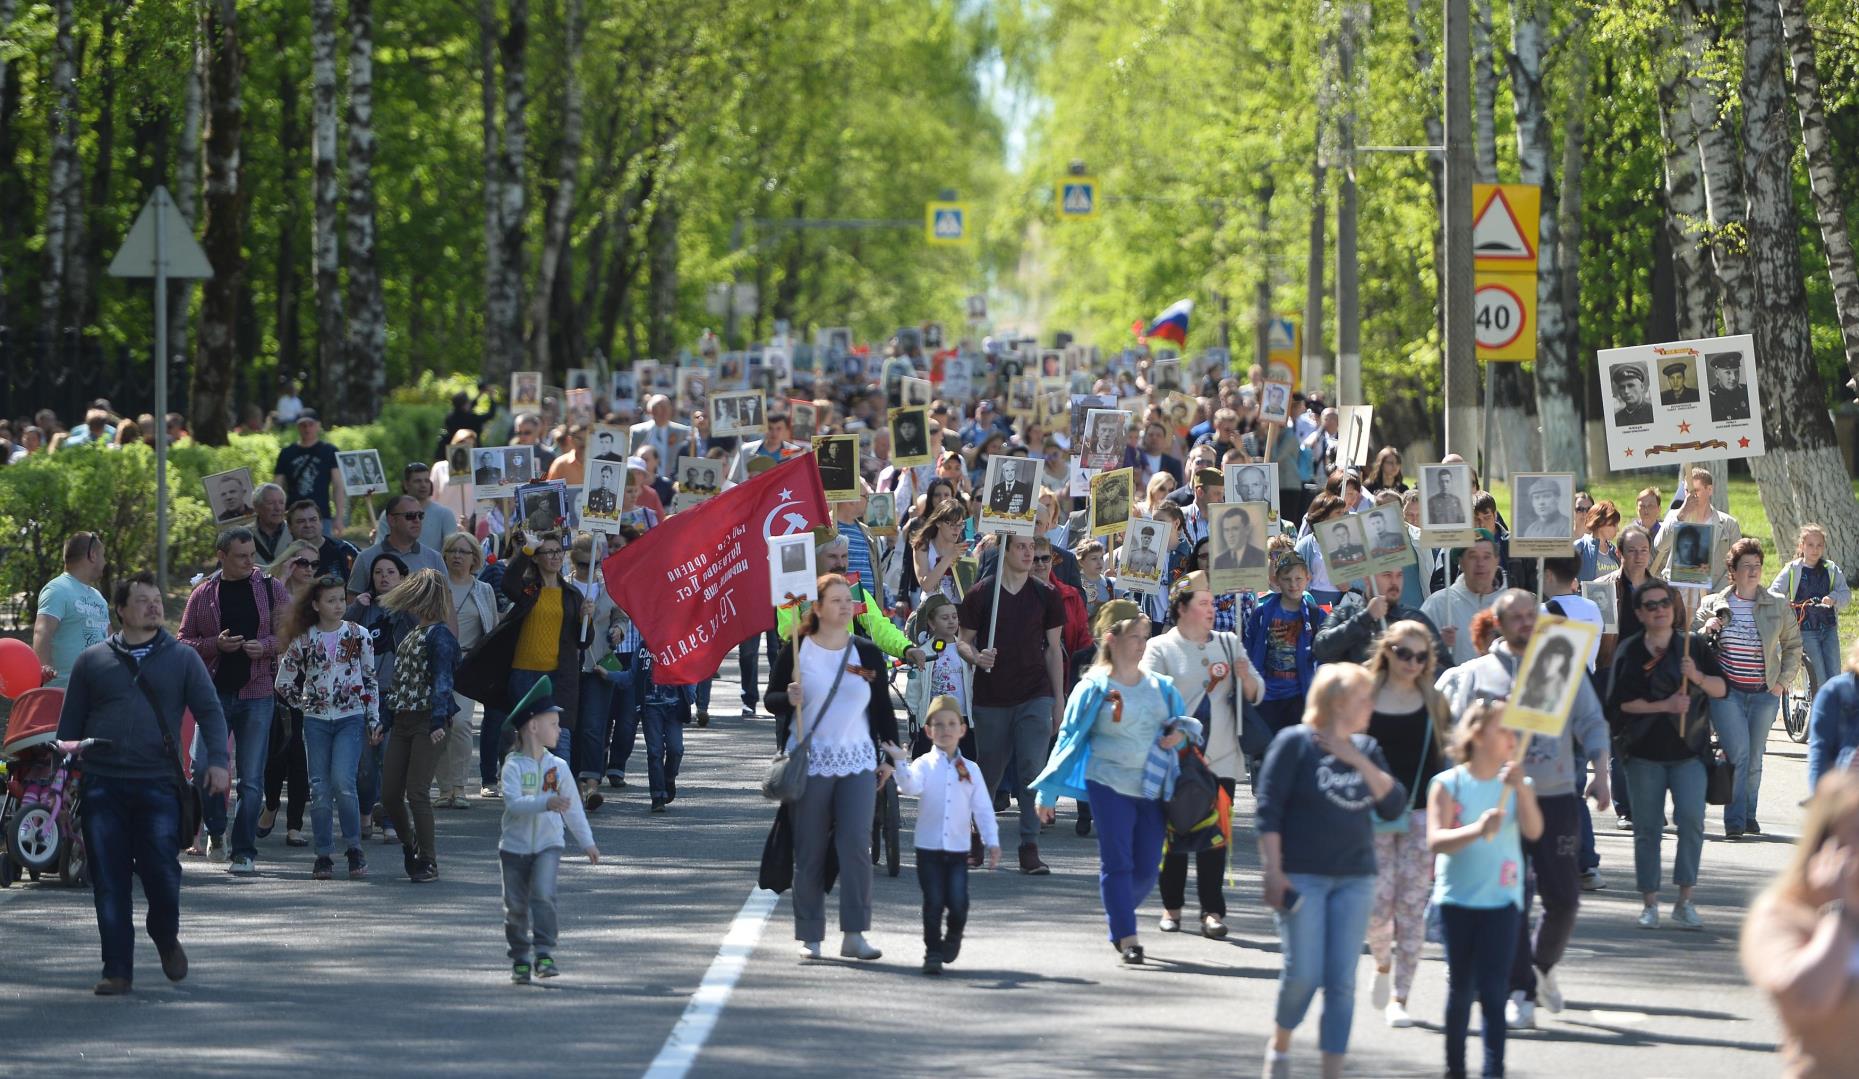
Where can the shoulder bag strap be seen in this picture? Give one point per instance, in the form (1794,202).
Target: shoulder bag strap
(838,676)
(167,737)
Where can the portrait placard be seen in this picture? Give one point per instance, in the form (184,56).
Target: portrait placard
(581,378)
(498,471)
(1237,560)
(1386,533)
(525,391)
(1106,434)
(735,415)
(1344,547)
(1110,501)
(694,386)
(1446,506)
(837,458)
(542,506)
(608,442)
(581,406)
(1681,401)
(698,478)
(1165,375)
(1554,665)
(1691,552)
(910,444)
(229,495)
(1275,403)
(1255,481)
(603,496)
(791,572)
(804,417)
(623,393)
(912,391)
(1009,495)
(1542,514)
(1355,424)
(1604,595)
(881,513)
(1144,557)
(1179,408)
(1082,404)
(361,472)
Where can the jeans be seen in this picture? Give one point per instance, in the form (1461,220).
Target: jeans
(368,772)
(622,724)
(702,692)
(406,780)
(1554,861)
(1649,781)
(1015,734)
(596,712)
(943,876)
(1129,853)
(285,762)
(1742,720)
(1209,871)
(522,682)
(1321,942)
(455,755)
(132,826)
(490,747)
(1822,647)
(333,748)
(1479,943)
(835,811)
(747,658)
(249,720)
(529,901)
(664,747)
(1617,783)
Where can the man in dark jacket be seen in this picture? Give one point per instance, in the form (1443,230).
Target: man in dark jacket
(131,690)
(1357,622)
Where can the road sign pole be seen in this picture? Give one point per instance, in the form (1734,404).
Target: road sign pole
(161,408)
(1461,362)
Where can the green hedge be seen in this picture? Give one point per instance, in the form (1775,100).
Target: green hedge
(112,492)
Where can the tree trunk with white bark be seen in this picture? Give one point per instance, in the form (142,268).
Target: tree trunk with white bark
(65,176)
(1802,477)
(1722,170)
(211,400)
(325,247)
(504,302)
(1823,178)
(1513,439)
(187,190)
(555,244)
(1686,216)
(366,385)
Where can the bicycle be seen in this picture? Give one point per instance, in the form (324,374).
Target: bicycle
(887,813)
(1797,705)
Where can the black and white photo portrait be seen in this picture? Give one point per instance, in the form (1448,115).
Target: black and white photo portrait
(1110,501)
(910,436)
(229,495)
(1105,436)
(1678,381)
(1445,497)
(1729,396)
(1542,510)
(361,472)
(1549,675)
(1632,392)
(837,457)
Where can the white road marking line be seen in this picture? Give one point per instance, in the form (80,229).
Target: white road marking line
(700,1016)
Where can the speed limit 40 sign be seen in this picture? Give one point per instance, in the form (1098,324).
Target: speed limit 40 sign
(1504,316)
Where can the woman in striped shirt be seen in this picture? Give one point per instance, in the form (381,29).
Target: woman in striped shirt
(1759,648)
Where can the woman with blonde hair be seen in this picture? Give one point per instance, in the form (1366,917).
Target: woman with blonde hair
(1411,722)
(1321,781)
(421,702)
(1802,936)
(1155,493)
(285,761)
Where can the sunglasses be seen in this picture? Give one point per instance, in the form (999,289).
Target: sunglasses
(297,563)
(416,515)
(1406,654)
(1042,560)
(1655,604)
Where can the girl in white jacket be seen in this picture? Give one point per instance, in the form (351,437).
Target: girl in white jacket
(538,797)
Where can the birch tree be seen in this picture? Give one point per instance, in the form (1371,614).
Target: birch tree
(1802,475)
(562,201)
(325,255)
(64,176)
(187,181)
(1823,178)
(504,296)
(225,231)
(366,384)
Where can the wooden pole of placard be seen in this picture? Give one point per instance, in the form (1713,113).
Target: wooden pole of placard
(1000,570)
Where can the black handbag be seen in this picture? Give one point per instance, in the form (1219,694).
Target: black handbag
(1720,777)
(1197,791)
(192,808)
(777,871)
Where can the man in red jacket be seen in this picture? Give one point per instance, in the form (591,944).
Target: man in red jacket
(1077,632)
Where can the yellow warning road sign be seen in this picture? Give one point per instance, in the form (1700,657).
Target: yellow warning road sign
(1505,222)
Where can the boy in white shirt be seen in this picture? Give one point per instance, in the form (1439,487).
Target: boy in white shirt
(952,798)
(537,789)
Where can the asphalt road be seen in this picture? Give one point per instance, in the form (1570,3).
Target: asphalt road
(384,977)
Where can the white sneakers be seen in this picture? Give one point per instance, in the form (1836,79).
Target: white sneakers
(1384,989)
(1685,915)
(1397,1016)
(1547,991)
(855,946)
(1519,1014)
(1649,918)
(810,949)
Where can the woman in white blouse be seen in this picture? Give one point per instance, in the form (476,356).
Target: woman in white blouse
(474,603)
(1205,665)
(835,691)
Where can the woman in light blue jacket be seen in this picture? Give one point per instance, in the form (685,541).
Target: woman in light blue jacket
(1116,717)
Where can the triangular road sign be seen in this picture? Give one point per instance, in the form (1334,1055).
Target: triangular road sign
(1499,234)
(180,252)
(1280,335)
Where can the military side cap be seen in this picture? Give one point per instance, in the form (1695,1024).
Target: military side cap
(539,699)
(1112,612)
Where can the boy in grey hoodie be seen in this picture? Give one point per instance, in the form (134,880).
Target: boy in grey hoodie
(538,796)
(1554,857)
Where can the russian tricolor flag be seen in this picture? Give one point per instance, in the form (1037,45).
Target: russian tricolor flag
(1170,325)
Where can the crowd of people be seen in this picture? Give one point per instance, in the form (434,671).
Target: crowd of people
(1364,717)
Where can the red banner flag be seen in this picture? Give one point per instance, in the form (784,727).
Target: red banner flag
(697,585)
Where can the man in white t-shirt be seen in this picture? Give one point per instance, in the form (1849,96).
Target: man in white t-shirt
(1562,592)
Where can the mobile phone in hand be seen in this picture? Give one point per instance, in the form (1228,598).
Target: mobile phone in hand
(1293,900)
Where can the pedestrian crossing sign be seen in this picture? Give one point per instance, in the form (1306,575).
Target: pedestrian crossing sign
(946,223)
(1077,198)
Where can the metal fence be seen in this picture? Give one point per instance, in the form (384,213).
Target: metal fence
(66,372)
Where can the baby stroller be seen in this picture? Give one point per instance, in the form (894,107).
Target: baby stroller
(41,812)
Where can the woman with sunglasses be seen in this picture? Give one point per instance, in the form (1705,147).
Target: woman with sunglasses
(295,566)
(1116,716)
(1412,724)
(1660,687)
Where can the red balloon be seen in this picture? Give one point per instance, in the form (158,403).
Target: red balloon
(19,667)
